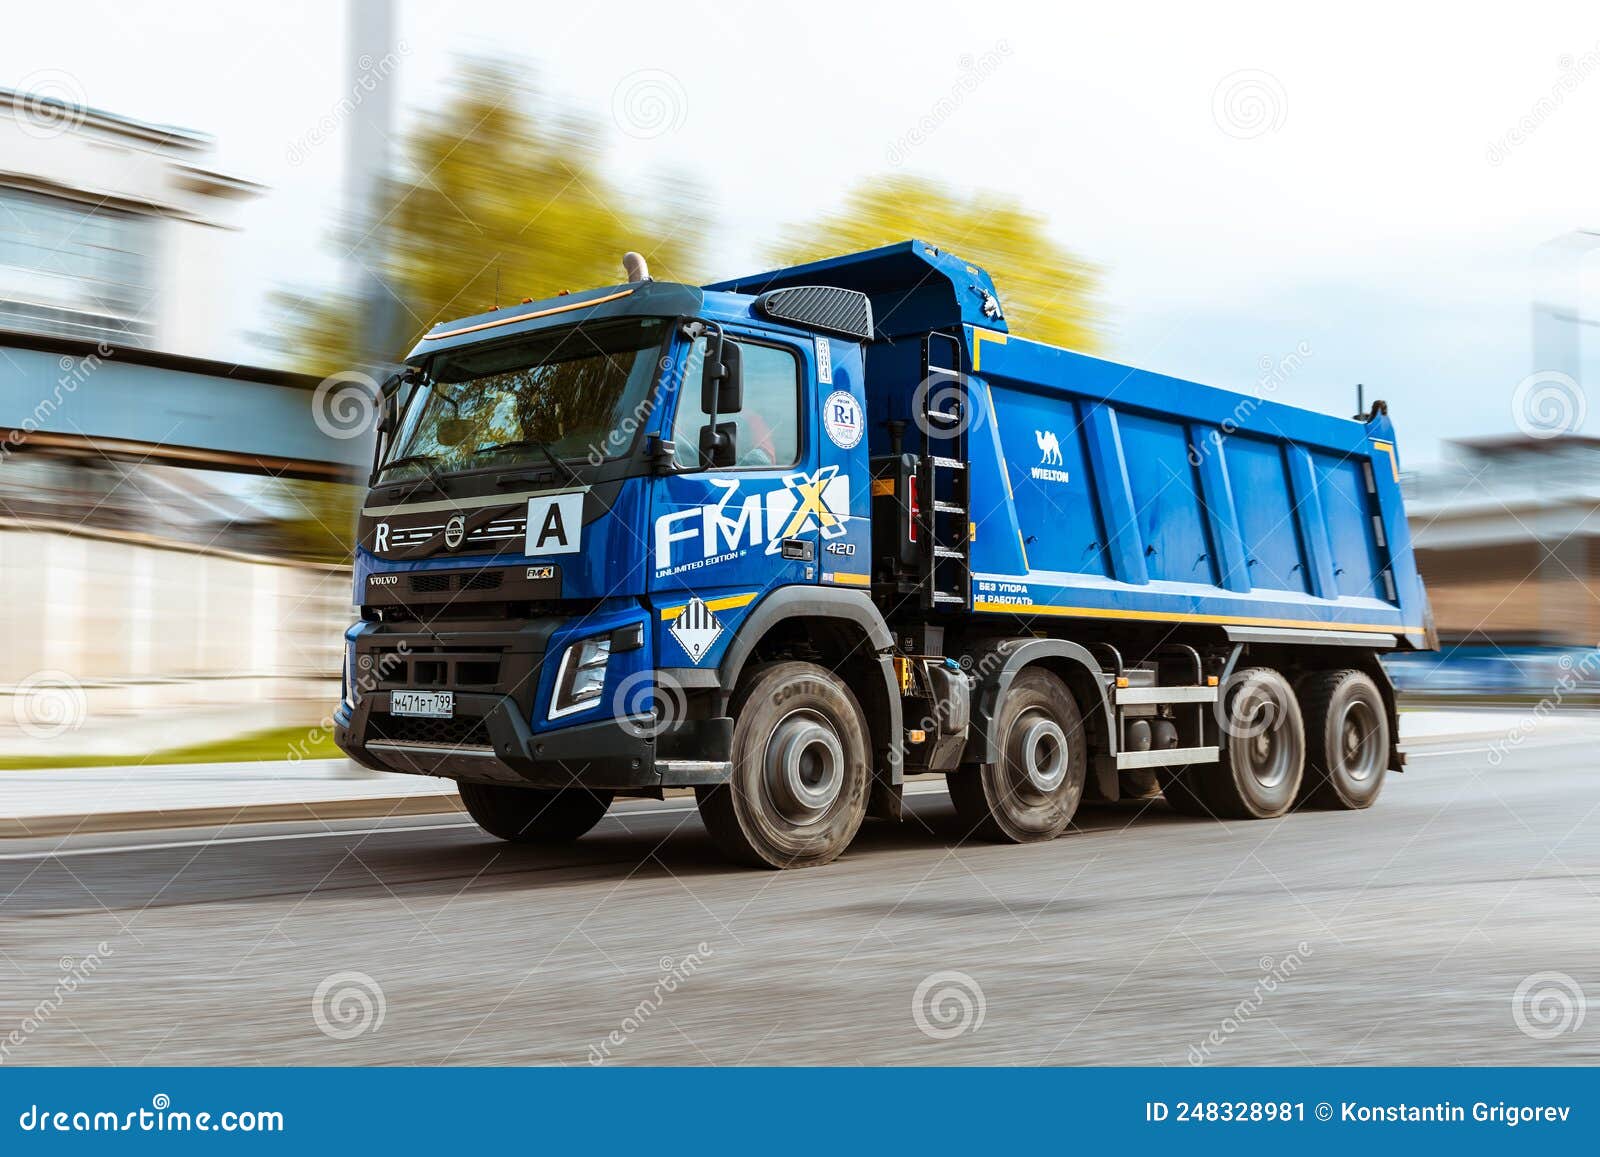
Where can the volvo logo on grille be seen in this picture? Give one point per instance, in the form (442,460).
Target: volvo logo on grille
(455,531)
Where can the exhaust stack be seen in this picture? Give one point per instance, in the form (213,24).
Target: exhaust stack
(633,264)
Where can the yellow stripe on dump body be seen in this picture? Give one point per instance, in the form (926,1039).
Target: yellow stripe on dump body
(1183,617)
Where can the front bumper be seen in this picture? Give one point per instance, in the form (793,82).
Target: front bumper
(489,741)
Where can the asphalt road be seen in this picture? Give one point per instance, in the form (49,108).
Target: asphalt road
(1399,935)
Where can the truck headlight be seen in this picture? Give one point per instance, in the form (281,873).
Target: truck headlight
(581,678)
(348,691)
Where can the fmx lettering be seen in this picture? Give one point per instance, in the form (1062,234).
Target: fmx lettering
(739,520)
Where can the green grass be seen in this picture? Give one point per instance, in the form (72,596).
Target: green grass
(278,743)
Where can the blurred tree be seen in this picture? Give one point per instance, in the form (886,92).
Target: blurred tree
(500,198)
(1047,292)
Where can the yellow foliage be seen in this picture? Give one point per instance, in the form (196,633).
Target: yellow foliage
(1047,292)
(499,200)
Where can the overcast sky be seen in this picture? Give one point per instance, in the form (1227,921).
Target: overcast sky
(1368,183)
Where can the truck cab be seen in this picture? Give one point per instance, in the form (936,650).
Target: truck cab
(575,508)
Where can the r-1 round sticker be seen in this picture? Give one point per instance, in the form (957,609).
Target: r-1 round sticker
(841,418)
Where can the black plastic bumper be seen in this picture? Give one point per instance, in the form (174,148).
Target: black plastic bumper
(612,754)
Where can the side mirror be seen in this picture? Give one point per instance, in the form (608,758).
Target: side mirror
(717,445)
(389,399)
(722,379)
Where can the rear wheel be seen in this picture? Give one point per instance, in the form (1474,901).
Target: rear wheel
(1263,755)
(534,815)
(1034,790)
(1347,739)
(797,792)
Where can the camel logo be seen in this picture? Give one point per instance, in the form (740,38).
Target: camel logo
(1049,457)
(739,520)
(1049,448)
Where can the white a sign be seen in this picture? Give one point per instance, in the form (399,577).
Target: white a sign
(555,524)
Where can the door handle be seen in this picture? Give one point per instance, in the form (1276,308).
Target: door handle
(800,549)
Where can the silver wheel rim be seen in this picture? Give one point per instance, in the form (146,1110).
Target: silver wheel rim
(804,767)
(1358,741)
(1044,753)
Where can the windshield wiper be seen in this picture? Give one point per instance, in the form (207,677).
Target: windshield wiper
(520,444)
(426,461)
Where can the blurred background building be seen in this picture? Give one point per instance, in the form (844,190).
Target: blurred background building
(145,604)
(1507,535)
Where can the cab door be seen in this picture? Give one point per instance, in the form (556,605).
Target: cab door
(720,539)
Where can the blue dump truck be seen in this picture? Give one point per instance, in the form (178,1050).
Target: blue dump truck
(792,538)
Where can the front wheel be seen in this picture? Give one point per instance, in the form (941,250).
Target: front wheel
(797,792)
(534,815)
(1034,790)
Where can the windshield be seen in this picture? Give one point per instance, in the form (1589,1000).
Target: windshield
(570,392)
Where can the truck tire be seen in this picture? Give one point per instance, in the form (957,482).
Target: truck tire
(1263,755)
(534,815)
(797,792)
(1034,790)
(1347,739)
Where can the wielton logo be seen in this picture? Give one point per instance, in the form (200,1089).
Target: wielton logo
(1049,455)
(737,522)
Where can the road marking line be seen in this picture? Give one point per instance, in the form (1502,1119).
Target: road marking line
(913,789)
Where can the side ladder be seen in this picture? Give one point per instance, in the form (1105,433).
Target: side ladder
(944,519)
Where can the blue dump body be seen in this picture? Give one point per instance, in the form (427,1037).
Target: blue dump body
(1102,491)
(1106,491)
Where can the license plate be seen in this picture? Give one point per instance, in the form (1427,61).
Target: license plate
(423,704)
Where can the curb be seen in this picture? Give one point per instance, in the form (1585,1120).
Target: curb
(202,817)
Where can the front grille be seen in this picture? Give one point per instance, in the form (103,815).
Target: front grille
(435,582)
(461,668)
(433,732)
